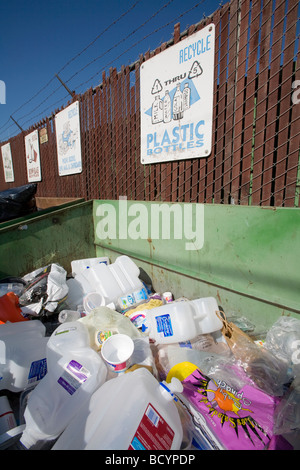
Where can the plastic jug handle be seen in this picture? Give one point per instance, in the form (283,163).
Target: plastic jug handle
(174,386)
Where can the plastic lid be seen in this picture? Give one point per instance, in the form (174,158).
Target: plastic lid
(144,327)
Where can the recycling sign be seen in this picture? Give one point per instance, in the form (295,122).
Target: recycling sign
(177,100)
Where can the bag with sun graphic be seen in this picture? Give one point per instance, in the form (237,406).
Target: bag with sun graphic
(224,417)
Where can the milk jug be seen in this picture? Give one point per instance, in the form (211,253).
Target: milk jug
(118,282)
(75,371)
(22,355)
(182,321)
(79,264)
(133,411)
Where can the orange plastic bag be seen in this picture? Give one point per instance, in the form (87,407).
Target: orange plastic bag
(9,309)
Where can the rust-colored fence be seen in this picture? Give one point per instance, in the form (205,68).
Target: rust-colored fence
(255,156)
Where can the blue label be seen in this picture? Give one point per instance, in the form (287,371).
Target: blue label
(141,295)
(164,325)
(185,344)
(38,370)
(136,444)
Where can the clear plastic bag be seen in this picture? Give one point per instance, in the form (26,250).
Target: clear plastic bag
(287,418)
(283,341)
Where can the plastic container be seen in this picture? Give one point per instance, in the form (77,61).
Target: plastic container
(9,309)
(113,281)
(182,321)
(127,301)
(15,287)
(80,264)
(132,411)
(69,316)
(117,351)
(93,300)
(78,288)
(22,355)
(35,327)
(75,371)
(7,418)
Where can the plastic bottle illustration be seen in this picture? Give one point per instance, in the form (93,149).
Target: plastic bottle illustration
(157,110)
(178,103)
(186,97)
(167,108)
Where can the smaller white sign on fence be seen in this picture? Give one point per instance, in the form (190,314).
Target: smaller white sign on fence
(67,125)
(7,163)
(33,162)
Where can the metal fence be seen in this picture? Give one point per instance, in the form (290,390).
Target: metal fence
(255,153)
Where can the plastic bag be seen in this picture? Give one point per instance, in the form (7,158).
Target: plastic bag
(228,417)
(283,341)
(288,413)
(46,288)
(265,370)
(196,351)
(17,202)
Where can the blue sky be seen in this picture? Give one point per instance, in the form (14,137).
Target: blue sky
(78,40)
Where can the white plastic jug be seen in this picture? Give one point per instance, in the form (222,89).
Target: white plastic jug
(78,288)
(182,321)
(22,355)
(35,327)
(114,281)
(75,371)
(130,412)
(79,264)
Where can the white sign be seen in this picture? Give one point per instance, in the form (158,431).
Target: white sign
(177,100)
(7,163)
(68,140)
(32,150)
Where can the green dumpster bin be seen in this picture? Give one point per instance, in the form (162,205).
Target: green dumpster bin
(245,257)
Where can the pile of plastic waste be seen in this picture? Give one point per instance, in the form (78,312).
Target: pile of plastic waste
(100,349)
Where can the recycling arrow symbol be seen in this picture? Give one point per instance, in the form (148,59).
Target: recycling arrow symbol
(196,70)
(157,87)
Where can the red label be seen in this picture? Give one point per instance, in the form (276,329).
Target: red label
(153,432)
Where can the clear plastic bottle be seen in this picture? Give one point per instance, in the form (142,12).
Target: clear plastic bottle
(75,371)
(133,411)
(69,315)
(182,321)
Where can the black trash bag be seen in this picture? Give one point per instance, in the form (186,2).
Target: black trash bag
(17,202)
